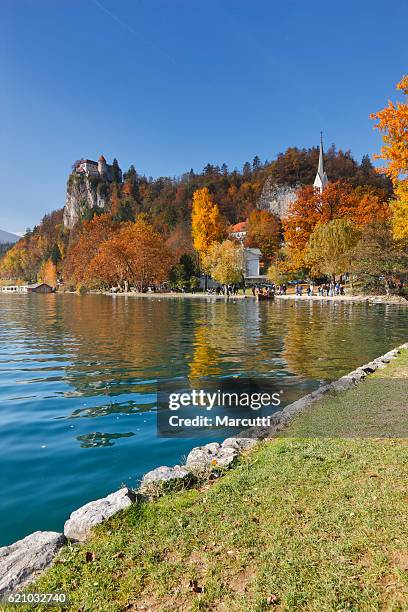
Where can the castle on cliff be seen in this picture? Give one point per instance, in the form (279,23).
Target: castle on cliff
(99,169)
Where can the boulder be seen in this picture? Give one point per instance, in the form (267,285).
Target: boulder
(166,478)
(211,456)
(225,457)
(357,374)
(81,521)
(389,356)
(371,367)
(239,444)
(21,562)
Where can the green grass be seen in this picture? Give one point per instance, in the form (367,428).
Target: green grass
(378,407)
(301,524)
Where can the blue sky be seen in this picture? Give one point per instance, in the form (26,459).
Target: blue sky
(172,84)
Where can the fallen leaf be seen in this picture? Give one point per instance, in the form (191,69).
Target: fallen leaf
(272,600)
(89,556)
(193,584)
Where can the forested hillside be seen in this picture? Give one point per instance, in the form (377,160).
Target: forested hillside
(163,206)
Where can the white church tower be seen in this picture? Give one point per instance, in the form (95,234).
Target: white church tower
(321,181)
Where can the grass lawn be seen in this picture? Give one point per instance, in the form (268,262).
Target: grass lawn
(378,407)
(300,524)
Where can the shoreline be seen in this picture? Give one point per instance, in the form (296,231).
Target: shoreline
(24,560)
(368,299)
(394,300)
(361,299)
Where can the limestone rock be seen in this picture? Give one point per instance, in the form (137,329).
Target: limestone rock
(83,193)
(21,562)
(277,198)
(225,457)
(166,478)
(81,521)
(239,444)
(211,456)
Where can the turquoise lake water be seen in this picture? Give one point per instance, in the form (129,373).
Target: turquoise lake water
(78,379)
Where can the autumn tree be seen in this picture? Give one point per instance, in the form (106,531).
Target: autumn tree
(276,274)
(393,124)
(84,247)
(134,254)
(379,261)
(207,224)
(25,258)
(224,262)
(338,200)
(180,241)
(399,208)
(48,273)
(330,247)
(264,232)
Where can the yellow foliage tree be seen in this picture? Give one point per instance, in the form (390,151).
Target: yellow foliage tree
(224,262)
(393,123)
(400,211)
(207,224)
(330,247)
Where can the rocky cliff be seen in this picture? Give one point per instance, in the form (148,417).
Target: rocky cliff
(83,194)
(277,198)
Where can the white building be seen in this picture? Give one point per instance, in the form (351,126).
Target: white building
(252,257)
(321,181)
(12,288)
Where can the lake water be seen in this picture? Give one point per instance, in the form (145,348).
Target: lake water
(78,380)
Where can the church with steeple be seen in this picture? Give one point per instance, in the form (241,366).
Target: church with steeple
(321,181)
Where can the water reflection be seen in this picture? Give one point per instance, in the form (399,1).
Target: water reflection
(101,439)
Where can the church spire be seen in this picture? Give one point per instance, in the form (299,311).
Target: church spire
(321,179)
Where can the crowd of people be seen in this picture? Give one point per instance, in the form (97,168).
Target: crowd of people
(225,290)
(326,290)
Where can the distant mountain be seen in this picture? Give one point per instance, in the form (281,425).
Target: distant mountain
(7,237)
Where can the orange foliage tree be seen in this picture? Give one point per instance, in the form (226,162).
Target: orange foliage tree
(48,273)
(134,254)
(264,230)
(393,123)
(82,250)
(338,200)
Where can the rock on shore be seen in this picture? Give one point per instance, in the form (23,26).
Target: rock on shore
(21,562)
(81,521)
